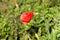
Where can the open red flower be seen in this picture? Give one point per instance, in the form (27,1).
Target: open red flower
(26,17)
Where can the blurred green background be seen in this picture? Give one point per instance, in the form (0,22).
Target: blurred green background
(45,25)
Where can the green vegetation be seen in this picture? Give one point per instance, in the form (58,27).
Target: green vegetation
(45,25)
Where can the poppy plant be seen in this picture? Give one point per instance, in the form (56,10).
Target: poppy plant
(26,17)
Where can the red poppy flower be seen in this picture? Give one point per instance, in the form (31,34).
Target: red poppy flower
(26,17)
